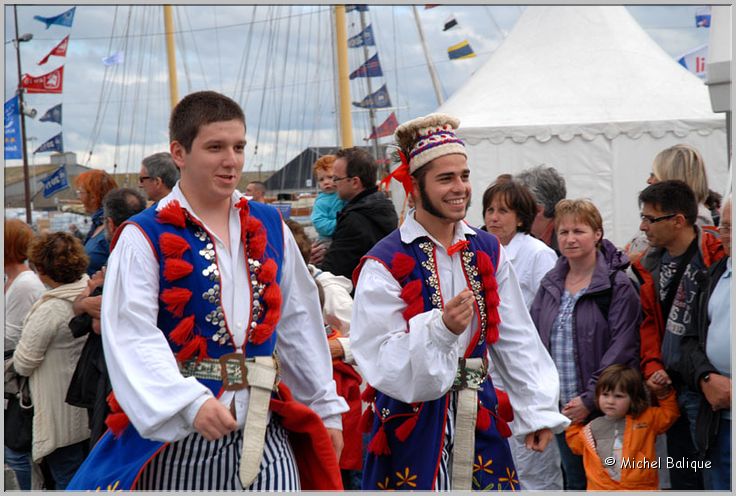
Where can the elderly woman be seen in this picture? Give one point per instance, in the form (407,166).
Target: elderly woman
(587,313)
(509,210)
(92,186)
(47,353)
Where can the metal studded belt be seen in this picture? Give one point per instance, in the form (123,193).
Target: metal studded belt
(471,373)
(231,369)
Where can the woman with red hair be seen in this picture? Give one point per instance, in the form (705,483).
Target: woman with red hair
(92,186)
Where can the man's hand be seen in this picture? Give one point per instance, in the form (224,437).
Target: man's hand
(458,312)
(96,326)
(91,305)
(717,391)
(97,279)
(576,411)
(538,441)
(337,443)
(336,350)
(319,250)
(214,420)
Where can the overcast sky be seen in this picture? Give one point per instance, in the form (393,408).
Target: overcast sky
(276,61)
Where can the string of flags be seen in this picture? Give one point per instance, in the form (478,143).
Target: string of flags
(694,60)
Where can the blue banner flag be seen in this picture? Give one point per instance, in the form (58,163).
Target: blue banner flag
(56,181)
(64,19)
(55,144)
(694,60)
(52,115)
(357,8)
(379,99)
(13,147)
(364,38)
(371,68)
(461,50)
(702,17)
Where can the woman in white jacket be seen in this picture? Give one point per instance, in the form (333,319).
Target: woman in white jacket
(47,353)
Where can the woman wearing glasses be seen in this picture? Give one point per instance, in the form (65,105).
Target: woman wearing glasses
(92,186)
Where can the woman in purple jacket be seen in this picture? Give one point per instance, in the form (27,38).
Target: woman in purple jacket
(587,312)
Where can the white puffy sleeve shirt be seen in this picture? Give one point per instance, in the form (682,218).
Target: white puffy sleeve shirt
(159,401)
(420,365)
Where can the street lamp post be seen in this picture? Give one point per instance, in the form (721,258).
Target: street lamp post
(26,181)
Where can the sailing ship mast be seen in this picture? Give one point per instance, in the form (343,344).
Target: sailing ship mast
(341,38)
(171,54)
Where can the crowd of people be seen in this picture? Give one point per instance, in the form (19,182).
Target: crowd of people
(199,341)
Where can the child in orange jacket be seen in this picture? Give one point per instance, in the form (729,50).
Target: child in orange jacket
(618,448)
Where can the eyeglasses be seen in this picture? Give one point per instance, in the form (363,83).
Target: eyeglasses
(653,220)
(143,178)
(336,179)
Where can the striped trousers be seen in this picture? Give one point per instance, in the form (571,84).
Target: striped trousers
(444,474)
(193,463)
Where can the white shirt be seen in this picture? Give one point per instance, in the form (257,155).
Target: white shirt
(20,296)
(531,259)
(159,401)
(420,365)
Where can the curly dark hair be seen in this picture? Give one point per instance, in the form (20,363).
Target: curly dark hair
(59,256)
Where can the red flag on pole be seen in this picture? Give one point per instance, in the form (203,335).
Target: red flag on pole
(386,129)
(48,83)
(59,50)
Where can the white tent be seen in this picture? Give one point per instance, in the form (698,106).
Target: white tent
(584,89)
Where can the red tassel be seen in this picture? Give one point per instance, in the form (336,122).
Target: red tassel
(504,406)
(492,298)
(272,317)
(252,225)
(257,245)
(502,426)
(190,348)
(172,214)
(404,430)
(172,245)
(379,443)
(272,296)
(175,268)
(261,333)
(366,420)
(182,333)
(491,334)
(176,299)
(401,266)
(483,422)
(485,265)
(242,205)
(117,422)
(412,291)
(268,272)
(112,402)
(414,308)
(369,395)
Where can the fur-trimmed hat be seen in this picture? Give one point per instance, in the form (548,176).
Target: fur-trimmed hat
(426,138)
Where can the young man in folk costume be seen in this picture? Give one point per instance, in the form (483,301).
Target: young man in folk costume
(197,291)
(434,301)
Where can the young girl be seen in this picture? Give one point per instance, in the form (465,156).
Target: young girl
(328,203)
(618,448)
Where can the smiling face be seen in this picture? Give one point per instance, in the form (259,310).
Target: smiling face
(445,192)
(210,171)
(501,220)
(577,239)
(614,403)
(324,180)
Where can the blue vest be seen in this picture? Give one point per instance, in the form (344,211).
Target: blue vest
(413,463)
(116,463)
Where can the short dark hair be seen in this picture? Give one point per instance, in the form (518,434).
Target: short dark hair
(59,256)
(517,197)
(673,196)
(546,184)
(260,185)
(198,109)
(360,165)
(161,165)
(629,381)
(123,203)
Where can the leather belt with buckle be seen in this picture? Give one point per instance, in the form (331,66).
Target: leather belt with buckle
(230,368)
(471,373)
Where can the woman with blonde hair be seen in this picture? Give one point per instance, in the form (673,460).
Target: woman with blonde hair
(587,313)
(92,186)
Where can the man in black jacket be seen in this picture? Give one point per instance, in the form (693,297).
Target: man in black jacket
(706,363)
(366,218)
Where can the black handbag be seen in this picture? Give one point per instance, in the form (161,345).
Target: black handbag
(18,410)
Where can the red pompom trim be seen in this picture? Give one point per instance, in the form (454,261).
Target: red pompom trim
(404,430)
(272,296)
(198,345)
(112,402)
(483,422)
(117,422)
(366,420)
(173,245)
(379,444)
(183,331)
(502,426)
(401,266)
(176,299)
(369,395)
(257,244)
(268,272)
(172,214)
(505,411)
(175,268)
(412,295)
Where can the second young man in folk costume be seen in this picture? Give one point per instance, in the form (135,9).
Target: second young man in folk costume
(197,291)
(435,300)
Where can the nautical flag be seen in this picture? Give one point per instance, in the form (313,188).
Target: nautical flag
(386,129)
(52,115)
(450,23)
(115,58)
(12,129)
(55,144)
(379,99)
(461,50)
(59,50)
(357,8)
(56,181)
(702,17)
(371,68)
(65,19)
(694,60)
(364,38)
(53,82)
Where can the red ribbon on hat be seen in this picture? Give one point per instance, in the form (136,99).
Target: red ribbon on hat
(401,174)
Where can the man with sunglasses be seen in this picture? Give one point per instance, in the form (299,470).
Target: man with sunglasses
(158,175)
(367,217)
(670,272)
